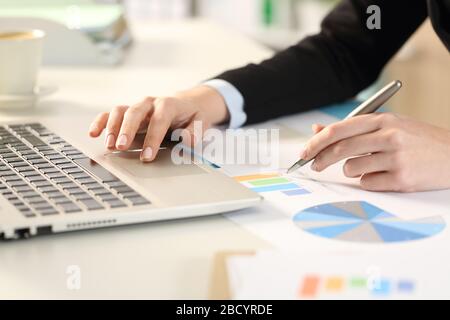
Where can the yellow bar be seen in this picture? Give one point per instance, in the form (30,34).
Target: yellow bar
(334,284)
(256,176)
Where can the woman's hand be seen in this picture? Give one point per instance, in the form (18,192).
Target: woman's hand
(388,152)
(159,115)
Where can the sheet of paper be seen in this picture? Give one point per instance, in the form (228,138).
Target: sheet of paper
(329,211)
(315,275)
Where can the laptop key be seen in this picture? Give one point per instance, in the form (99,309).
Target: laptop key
(32,173)
(43,165)
(107,197)
(36,178)
(35,158)
(50,170)
(8,155)
(137,201)
(19,164)
(29,194)
(62,162)
(87,181)
(37,202)
(91,204)
(12,178)
(96,169)
(53,195)
(13,159)
(82,196)
(25,169)
(66,165)
(73,170)
(55,175)
(23,188)
(55,157)
(79,176)
(61,200)
(70,207)
(62,180)
(26,152)
(34,141)
(103,191)
(74,191)
(70,185)
(94,186)
(123,189)
(116,204)
(48,212)
(41,182)
(47,189)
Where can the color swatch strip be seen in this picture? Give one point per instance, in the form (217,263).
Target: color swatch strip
(312,286)
(271,182)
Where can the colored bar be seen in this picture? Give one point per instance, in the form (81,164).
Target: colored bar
(267,182)
(276,187)
(405,286)
(309,287)
(256,176)
(334,284)
(358,282)
(295,192)
(382,287)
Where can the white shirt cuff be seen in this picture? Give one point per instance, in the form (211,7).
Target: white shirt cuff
(233,99)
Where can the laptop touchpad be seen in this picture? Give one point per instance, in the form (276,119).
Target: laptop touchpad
(161,167)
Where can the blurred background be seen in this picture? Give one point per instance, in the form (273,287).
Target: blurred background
(423,64)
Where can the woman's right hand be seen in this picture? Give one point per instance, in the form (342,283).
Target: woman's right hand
(159,115)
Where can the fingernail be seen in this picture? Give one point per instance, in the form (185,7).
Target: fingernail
(110,141)
(303,153)
(147,154)
(122,141)
(93,128)
(315,167)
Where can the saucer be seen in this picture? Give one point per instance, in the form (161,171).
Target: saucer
(26,100)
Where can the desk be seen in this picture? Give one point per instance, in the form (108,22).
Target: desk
(166,260)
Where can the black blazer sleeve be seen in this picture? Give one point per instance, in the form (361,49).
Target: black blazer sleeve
(330,67)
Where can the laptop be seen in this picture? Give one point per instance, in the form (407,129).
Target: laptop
(54,178)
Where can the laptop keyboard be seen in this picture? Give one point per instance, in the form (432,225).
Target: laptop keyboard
(41,175)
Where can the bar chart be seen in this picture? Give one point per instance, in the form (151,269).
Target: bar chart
(316,286)
(272,182)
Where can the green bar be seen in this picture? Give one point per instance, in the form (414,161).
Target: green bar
(268,12)
(358,282)
(267,182)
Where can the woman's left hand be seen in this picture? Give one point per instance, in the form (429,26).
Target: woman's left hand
(388,152)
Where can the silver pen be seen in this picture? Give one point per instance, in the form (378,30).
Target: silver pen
(369,106)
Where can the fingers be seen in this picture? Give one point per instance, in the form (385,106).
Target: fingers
(159,124)
(113,126)
(377,162)
(98,124)
(389,173)
(341,130)
(195,130)
(377,181)
(396,181)
(351,147)
(316,128)
(131,123)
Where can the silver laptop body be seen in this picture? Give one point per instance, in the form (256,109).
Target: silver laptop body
(54,178)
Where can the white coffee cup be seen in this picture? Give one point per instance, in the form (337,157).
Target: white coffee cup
(20,59)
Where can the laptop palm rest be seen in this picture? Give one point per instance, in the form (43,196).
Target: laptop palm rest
(161,167)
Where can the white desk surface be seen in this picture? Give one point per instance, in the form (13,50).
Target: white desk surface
(167,260)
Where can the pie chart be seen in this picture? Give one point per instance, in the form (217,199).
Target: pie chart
(359,221)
